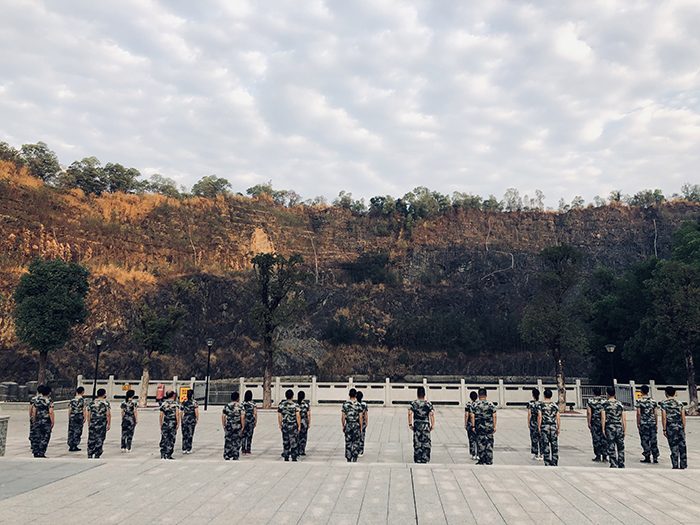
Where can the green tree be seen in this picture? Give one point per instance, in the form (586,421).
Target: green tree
(277,302)
(10,154)
(646,198)
(152,332)
(162,185)
(50,301)
(41,162)
(211,186)
(87,175)
(121,179)
(551,319)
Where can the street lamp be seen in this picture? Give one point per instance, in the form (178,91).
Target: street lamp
(210,343)
(98,341)
(611,349)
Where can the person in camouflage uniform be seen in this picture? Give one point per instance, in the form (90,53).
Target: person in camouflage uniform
(189,410)
(304,422)
(533,411)
(352,420)
(468,425)
(421,420)
(359,396)
(549,426)
(233,420)
(32,406)
(647,425)
(251,421)
(130,419)
(483,415)
(42,423)
(76,419)
(290,424)
(673,422)
(99,420)
(614,429)
(169,423)
(593,412)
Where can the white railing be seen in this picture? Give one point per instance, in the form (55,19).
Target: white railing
(384,394)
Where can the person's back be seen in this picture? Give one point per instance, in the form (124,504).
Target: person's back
(647,425)
(484,421)
(99,417)
(614,429)
(594,413)
(251,419)
(548,426)
(673,421)
(76,418)
(351,419)
(290,424)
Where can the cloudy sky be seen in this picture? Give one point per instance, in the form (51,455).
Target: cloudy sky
(368,96)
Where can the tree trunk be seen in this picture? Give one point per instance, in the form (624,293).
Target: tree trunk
(267,375)
(561,382)
(42,367)
(692,385)
(143,393)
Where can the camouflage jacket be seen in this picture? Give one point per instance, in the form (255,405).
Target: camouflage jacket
(674,410)
(483,411)
(233,412)
(534,407)
(42,407)
(596,406)
(646,407)
(304,408)
(421,409)
(614,412)
(289,410)
(352,411)
(76,406)
(188,407)
(249,407)
(129,407)
(549,411)
(98,409)
(169,409)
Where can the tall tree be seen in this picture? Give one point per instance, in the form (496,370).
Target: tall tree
(277,282)
(118,178)
(552,318)
(211,186)
(87,174)
(50,301)
(153,334)
(40,161)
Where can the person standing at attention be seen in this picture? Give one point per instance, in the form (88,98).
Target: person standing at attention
(251,421)
(647,424)
(533,412)
(42,423)
(304,422)
(189,408)
(289,420)
(76,419)
(421,420)
(233,420)
(593,411)
(169,423)
(484,423)
(99,420)
(471,435)
(548,426)
(614,429)
(130,419)
(352,421)
(673,422)
(359,396)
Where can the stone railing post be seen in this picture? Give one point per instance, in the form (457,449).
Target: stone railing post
(652,388)
(387,392)
(578,394)
(110,388)
(501,394)
(462,392)
(278,391)
(314,393)
(241,387)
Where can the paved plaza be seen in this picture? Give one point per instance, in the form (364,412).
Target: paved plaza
(384,486)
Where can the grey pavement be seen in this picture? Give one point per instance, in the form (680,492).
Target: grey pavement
(384,486)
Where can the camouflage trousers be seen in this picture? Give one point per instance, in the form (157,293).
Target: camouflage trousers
(352,441)
(247,437)
(421,442)
(616,445)
(97,432)
(536,444)
(75,431)
(676,442)
(290,433)
(362,439)
(484,446)
(302,438)
(232,442)
(600,444)
(128,426)
(472,439)
(168,433)
(550,445)
(647,435)
(188,425)
(41,434)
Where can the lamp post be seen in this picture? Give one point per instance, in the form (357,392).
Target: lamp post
(210,343)
(611,349)
(98,341)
